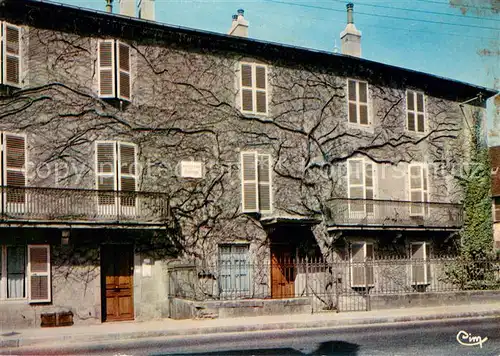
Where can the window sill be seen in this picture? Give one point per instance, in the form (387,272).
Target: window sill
(14,301)
(368,128)
(253,115)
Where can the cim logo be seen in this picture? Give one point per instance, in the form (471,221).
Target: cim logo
(466,339)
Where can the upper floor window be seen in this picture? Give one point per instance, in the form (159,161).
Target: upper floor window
(25,273)
(116,170)
(10,48)
(358,102)
(415,111)
(256,184)
(253,88)
(13,149)
(419,189)
(114,70)
(360,180)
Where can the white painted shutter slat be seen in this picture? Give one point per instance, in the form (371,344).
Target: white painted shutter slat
(249,181)
(265,186)
(39,276)
(15,166)
(11,42)
(127,158)
(123,62)
(106,171)
(106,64)
(246,87)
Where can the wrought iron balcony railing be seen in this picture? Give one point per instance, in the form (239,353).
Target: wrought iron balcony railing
(53,205)
(343,212)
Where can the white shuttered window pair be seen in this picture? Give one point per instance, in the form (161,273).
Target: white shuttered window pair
(17,272)
(114,70)
(10,48)
(361,260)
(253,88)
(415,111)
(358,102)
(116,170)
(419,189)
(256,182)
(361,185)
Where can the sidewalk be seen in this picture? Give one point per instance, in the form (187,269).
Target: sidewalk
(168,327)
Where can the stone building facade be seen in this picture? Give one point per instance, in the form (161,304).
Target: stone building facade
(129,146)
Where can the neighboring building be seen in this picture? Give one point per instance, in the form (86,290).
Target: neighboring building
(495,193)
(131,146)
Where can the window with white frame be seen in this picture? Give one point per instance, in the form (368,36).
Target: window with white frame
(496,207)
(253,88)
(419,189)
(10,49)
(13,147)
(256,182)
(361,257)
(114,70)
(25,273)
(116,170)
(420,267)
(234,269)
(357,94)
(415,111)
(361,182)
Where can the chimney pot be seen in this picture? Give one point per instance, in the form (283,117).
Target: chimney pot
(241,12)
(235,17)
(109,5)
(350,12)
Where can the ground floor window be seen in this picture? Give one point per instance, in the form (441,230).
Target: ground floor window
(25,272)
(420,267)
(361,261)
(234,269)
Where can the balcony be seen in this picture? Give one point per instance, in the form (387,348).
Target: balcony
(81,207)
(390,214)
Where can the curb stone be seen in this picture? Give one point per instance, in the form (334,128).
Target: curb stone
(19,341)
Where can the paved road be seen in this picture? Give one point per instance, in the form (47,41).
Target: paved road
(422,338)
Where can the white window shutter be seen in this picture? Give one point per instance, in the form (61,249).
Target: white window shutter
(127,173)
(106,170)
(249,182)
(265,186)
(39,276)
(106,64)
(247,102)
(416,183)
(123,63)
(11,49)
(14,167)
(261,89)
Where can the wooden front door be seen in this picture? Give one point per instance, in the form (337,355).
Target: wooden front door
(117,263)
(282,272)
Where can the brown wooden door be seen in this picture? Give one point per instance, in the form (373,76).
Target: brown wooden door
(282,272)
(117,263)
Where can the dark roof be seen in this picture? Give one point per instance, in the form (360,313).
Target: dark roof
(46,14)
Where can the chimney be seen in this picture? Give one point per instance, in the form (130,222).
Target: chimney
(127,7)
(147,9)
(239,27)
(109,5)
(351,37)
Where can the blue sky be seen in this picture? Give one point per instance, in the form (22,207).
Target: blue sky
(425,35)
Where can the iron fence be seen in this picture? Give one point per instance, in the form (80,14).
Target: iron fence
(340,285)
(391,213)
(82,205)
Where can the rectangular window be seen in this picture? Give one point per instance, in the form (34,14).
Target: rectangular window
(234,270)
(415,111)
(496,203)
(420,267)
(361,262)
(114,70)
(10,49)
(419,189)
(116,170)
(256,182)
(25,272)
(360,181)
(253,88)
(358,102)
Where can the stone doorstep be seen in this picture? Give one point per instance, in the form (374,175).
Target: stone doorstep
(19,341)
